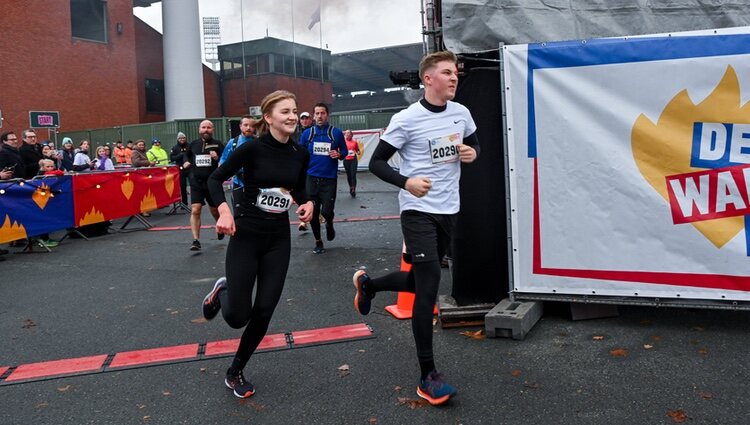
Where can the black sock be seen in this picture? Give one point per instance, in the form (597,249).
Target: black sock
(426,366)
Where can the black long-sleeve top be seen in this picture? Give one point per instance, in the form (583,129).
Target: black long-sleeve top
(267,163)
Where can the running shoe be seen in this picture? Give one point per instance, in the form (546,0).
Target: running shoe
(434,389)
(211,304)
(362,301)
(319,248)
(51,243)
(302,227)
(241,387)
(196,246)
(330,233)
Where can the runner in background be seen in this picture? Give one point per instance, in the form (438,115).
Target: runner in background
(350,162)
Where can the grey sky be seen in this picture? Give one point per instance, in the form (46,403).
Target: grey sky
(348,25)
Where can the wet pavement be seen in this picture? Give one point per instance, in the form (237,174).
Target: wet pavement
(142,290)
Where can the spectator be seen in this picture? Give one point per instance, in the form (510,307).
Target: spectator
(66,162)
(156,154)
(102,161)
(31,153)
(107,150)
(11,163)
(49,153)
(47,168)
(81,161)
(139,158)
(122,154)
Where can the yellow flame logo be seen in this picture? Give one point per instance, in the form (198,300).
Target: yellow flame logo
(361,150)
(664,148)
(41,196)
(169,183)
(91,217)
(11,231)
(148,203)
(127,187)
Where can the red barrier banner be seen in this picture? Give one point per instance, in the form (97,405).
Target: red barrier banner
(102,196)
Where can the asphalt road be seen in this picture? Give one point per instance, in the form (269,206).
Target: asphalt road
(142,289)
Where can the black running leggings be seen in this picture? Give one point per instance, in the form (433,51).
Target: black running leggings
(423,281)
(350,165)
(252,255)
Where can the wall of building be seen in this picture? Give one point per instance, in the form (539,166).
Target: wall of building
(150,59)
(44,68)
(308,92)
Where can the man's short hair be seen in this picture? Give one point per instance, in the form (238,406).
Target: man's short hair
(321,105)
(4,136)
(430,61)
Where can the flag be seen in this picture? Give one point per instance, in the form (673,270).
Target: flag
(314,18)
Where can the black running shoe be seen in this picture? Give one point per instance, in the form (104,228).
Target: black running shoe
(241,387)
(319,248)
(211,304)
(362,301)
(330,233)
(196,246)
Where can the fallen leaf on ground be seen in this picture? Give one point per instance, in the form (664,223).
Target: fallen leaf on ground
(648,346)
(699,328)
(42,404)
(396,388)
(199,320)
(166,393)
(706,395)
(28,323)
(563,334)
(532,385)
(412,403)
(141,406)
(257,406)
(597,337)
(678,416)
(202,370)
(656,338)
(372,420)
(515,372)
(147,418)
(619,352)
(343,370)
(361,351)
(474,335)
(703,351)
(63,389)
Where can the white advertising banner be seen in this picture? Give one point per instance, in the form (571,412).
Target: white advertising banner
(629,164)
(368,140)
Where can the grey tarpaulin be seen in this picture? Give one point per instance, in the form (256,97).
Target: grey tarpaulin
(471,26)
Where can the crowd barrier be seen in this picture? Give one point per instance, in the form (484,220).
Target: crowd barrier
(47,204)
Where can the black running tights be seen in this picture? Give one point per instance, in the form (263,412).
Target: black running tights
(423,281)
(251,256)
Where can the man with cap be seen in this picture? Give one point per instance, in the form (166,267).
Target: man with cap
(177,155)
(305,122)
(68,154)
(156,154)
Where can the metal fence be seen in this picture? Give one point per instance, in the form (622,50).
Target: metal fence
(361,120)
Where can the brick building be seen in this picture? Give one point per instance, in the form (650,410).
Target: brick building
(99,66)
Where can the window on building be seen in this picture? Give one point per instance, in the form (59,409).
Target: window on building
(288,65)
(155,103)
(89,19)
(263,64)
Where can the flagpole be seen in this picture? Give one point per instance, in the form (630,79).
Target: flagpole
(320,23)
(294,50)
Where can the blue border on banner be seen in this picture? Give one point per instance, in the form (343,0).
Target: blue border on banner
(605,51)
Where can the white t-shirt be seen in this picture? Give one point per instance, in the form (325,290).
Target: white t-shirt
(426,142)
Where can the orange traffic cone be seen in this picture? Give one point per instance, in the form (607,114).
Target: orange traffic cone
(405,301)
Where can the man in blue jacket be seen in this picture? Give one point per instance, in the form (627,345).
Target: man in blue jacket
(325,144)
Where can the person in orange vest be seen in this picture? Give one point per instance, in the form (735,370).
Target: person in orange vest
(122,155)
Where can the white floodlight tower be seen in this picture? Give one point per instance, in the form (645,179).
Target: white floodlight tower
(211,40)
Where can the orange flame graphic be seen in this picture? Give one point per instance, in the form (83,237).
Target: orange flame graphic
(94,216)
(11,231)
(148,203)
(41,196)
(664,148)
(169,183)
(127,187)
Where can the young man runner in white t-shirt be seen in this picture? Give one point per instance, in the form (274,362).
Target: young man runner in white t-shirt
(433,137)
